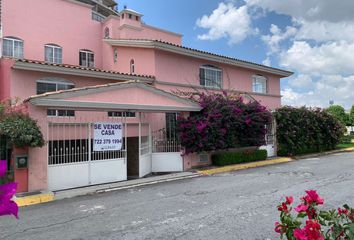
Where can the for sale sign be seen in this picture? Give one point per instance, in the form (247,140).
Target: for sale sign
(107,136)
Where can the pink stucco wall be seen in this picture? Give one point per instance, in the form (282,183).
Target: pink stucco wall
(39,22)
(5,78)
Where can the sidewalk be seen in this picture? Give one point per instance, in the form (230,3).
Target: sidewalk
(41,197)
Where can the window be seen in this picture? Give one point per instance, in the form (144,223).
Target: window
(210,76)
(87,58)
(122,114)
(259,84)
(106,33)
(60,113)
(171,126)
(130,16)
(50,85)
(53,53)
(137,18)
(123,16)
(115,57)
(98,17)
(12,47)
(132,66)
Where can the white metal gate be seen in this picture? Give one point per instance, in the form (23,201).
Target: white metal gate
(72,161)
(144,149)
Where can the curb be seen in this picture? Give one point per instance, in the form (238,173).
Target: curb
(34,199)
(237,167)
(146,183)
(242,166)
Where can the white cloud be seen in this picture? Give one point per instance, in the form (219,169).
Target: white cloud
(226,21)
(277,36)
(328,87)
(302,81)
(267,62)
(322,31)
(310,10)
(327,58)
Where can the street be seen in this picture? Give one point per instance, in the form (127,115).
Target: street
(238,205)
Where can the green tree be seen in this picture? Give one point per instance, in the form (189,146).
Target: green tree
(351,115)
(339,112)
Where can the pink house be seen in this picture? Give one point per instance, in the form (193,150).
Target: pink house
(92,67)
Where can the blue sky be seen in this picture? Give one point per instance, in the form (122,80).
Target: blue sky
(310,37)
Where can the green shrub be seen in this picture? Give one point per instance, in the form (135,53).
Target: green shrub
(306,130)
(228,158)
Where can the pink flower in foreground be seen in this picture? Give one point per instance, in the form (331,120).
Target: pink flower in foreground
(301,208)
(201,126)
(7,206)
(3,167)
(289,200)
(312,197)
(312,231)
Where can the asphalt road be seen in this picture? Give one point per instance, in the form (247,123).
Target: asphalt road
(238,205)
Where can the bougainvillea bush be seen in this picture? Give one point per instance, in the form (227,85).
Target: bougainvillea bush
(224,122)
(7,191)
(304,130)
(307,222)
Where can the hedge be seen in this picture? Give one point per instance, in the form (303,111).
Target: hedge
(228,158)
(306,130)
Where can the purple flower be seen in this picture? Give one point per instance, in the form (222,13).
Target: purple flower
(3,167)
(201,126)
(248,120)
(7,206)
(237,110)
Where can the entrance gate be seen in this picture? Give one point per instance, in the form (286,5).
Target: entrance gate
(72,161)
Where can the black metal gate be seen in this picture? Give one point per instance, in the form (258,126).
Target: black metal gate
(5,154)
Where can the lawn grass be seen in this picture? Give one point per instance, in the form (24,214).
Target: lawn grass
(345,145)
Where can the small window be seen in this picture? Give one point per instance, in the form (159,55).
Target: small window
(122,114)
(60,113)
(53,53)
(87,58)
(130,16)
(123,16)
(106,33)
(203,158)
(132,66)
(259,84)
(115,57)
(210,76)
(12,47)
(44,86)
(137,18)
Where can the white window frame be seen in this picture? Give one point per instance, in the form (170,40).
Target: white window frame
(13,40)
(124,114)
(57,113)
(54,57)
(87,52)
(211,83)
(56,82)
(259,84)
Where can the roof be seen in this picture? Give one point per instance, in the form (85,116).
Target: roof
(179,49)
(56,98)
(34,65)
(127,10)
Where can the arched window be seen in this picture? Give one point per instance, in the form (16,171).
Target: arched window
(53,53)
(259,84)
(86,58)
(12,47)
(106,33)
(210,76)
(132,66)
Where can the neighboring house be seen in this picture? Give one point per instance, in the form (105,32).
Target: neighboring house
(80,62)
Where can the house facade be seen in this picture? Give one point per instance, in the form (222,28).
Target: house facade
(91,67)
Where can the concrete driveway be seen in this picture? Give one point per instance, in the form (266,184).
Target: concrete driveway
(238,205)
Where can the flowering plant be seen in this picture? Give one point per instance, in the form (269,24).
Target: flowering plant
(7,191)
(318,225)
(225,121)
